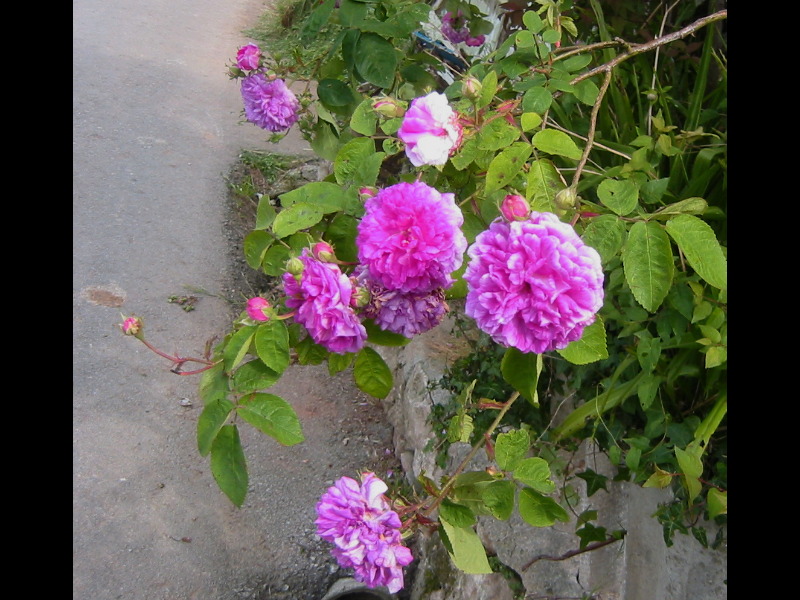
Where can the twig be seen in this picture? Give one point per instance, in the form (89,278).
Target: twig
(592,128)
(571,553)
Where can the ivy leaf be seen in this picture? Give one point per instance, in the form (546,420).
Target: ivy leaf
(590,533)
(272,345)
(691,467)
(210,422)
(372,374)
(228,465)
(659,479)
(272,415)
(648,264)
(699,245)
(594,481)
(717,503)
(538,510)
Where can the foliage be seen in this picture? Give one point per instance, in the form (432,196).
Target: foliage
(612,117)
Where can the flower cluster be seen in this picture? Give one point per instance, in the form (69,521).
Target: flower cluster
(533,285)
(430,130)
(364,531)
(455,28)
(321,295)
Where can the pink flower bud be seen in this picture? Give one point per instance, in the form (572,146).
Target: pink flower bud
(258,309)
(366,193)
(361,296)
(515,208)
(471,88)
(248,58)
(132,326)
(389,107)
(323,252)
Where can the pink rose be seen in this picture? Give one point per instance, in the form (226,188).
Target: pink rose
(256,309)
(248,57)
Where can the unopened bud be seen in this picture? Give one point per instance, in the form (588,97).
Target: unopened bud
(258,309)
(360,297)
(295,266)
(365,193)
(389,107)
(566,199)
(323,252)
(507,106)
(235,72)
(132,326)
(471,88)
(515,208)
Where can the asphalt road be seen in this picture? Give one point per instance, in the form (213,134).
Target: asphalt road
(155,130)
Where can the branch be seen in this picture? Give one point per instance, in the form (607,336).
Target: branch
(571,553)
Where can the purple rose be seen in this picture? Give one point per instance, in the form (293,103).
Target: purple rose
(320,296)
(269,104)
(364,531)
(533,285)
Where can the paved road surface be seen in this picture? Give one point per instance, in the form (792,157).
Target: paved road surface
(154,132)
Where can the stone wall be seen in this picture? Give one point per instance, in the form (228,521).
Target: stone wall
(640,567)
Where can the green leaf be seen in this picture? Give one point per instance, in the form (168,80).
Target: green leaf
(488,89)
(690,206)
(350,157)
(317,19)
(691,467)
(530,121)
(272,345)
(376,59)
(265,213)
(325,196)
(372,374)
(275,260)
(272,415)
(339,362)
(460,428)
(659,479)
(506,165)
(334,93)
(256,244)
(498,496)
(556,142)
(590,347)
(544,182)
(465,549)
(210,422)
(538,510)
(586,91)
(364,119)
(310,353)
(594,481)
(621,196)
(606,234)
(717,503)
(295,218)
(238,347)
(699,245)
(510,448)
(456,514)
(521,370)
(376,335)
(648,264)
(496,135)
(532,21)
(213,384)
(535,473)
(228,465)
(252,376)
(537,100)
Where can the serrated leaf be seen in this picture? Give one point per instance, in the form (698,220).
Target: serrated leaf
(699,245)
(272,345)
(265,213)
(213,384)
(339,362)
(620,195)
(228,465)
(376,59)
(535,473)
(350,157)
(364,119)
(498,496)
(376,335)
(272,415)
(556,142)
(606,234)
(237,347)
(506,165)
(310,353)
(274,263)
(590,347)
(530,121)
(488,89)
(521,370)
(372,375)
(456,514)
(544,182)
(532,21)
(538,510)
(325,196)
(210,422)
(334,93)
(648,264)
(717,503)
(586,91)
(252,376)
(496,135)
(537,100)
(296,218)
(510,448)
(689,206)
(466,550)
(255,246)
(460,428)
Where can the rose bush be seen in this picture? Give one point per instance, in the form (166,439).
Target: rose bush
(580,220)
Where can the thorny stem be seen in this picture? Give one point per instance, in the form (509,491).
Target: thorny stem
(475,448)
(180,361)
